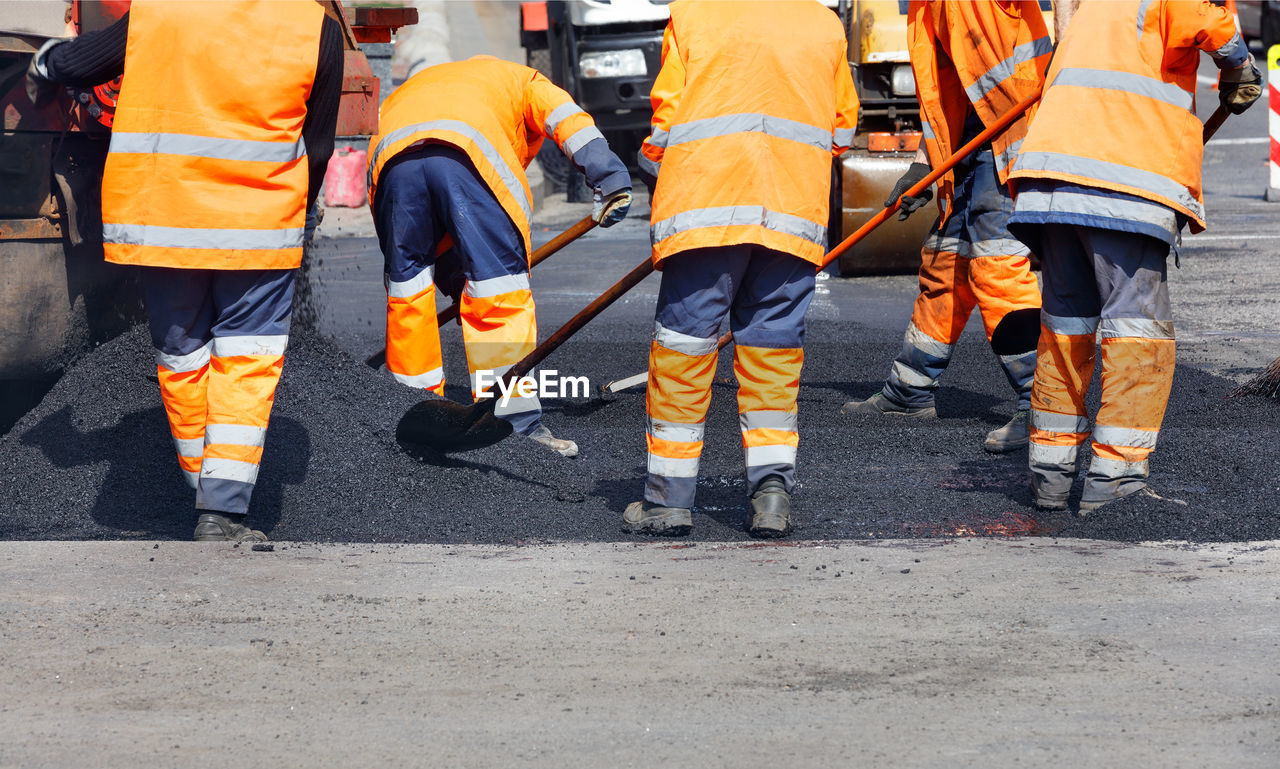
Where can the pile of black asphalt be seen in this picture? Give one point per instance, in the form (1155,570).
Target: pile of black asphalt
(94,461)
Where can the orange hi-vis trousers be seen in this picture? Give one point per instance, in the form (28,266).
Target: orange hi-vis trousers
(425,195)
(220,337)
(765,295)
(1111,284)
(969,261)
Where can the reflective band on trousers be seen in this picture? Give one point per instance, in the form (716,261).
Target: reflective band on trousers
(676,431)
(1069,326)
(909,376)
(1002,71)
(1113,173)
(191,448)
(927,344)
(568,109)
(509,179)
(207,147)
(201,237)
(503,284)
(192,361)
(998,247)
(266,344)
(1140,328)
(236,435)
(192,477)
(770,455)
(1128,82)
(735,216)
(1125,436)
(683,343)
(1040,454)
(229,470)
(407,289)
(424,381)
(581,138)
(751,122)
(1117,468)
(945,245)
(1053,422)
(768,419)
(673,468)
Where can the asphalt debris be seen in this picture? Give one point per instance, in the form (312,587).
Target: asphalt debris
(94,461)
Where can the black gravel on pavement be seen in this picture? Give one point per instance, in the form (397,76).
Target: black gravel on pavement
(94,461)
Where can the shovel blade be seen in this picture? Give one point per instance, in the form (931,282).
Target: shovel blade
(435,427)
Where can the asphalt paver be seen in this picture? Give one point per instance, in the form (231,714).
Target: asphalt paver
(94,461)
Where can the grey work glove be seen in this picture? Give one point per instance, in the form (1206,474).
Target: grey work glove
(908,205)
(40,89)
(609,211)
(1240,87)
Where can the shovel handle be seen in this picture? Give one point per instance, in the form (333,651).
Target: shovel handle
(1214,122)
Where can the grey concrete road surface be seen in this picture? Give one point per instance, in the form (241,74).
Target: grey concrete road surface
(971,653)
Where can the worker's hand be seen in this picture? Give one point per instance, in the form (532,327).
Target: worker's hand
(40,89)
(609,211)
(1240,87)
(908,205)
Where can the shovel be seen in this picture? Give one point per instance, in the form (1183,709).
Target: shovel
(880,218)
(550,247)
(445,427)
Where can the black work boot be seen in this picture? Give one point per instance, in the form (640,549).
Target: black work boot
(770,510)
(647,518)
(212,527)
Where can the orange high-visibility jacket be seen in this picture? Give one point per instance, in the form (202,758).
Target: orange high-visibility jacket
(496,112)
(207,168)
(1119,110)
(752,101)
(990,54)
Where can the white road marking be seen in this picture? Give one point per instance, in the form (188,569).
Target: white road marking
(1246,140)
(1191,240)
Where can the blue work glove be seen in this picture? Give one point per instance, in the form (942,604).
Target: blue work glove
(609,211)
(908,205)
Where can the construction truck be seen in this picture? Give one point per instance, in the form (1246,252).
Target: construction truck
(58,297)
(606,53)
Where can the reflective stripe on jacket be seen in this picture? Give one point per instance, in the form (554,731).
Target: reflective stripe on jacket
(990,54)
(752,101)
(1119,110)
(496,112)
(207,168)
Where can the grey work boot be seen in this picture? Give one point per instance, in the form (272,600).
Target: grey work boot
(1049,491)
(648,518)
(212,527)
(1089,505)
(770,510)
(561,446)
(878,404)
(1016,434)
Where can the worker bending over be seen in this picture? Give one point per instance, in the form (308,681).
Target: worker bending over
(752,101)
(973,61)
(449,162)
(218,149)
(1107,176)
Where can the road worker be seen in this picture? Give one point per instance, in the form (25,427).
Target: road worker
(217,152)
(973,61)
(1105,180)
(452,207)
(751,103)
